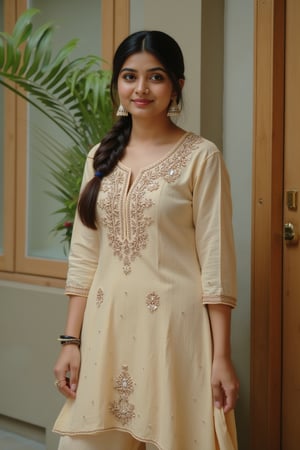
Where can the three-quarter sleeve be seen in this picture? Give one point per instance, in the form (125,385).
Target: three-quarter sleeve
(84,249)
(212,213)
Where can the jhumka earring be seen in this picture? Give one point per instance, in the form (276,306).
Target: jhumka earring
(122,112)
(174,109)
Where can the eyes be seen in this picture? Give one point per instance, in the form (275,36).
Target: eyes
(154,77)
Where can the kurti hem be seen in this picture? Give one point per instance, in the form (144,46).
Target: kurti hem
(104,430)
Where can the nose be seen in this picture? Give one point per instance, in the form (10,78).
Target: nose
(141,88)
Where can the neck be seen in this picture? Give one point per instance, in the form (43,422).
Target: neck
(152,131)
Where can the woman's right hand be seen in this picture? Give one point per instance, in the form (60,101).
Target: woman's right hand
(67,369)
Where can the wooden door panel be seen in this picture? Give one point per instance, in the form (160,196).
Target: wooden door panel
(291,253)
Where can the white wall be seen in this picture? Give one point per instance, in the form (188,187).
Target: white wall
(182,19)
(31,318)
(237,144)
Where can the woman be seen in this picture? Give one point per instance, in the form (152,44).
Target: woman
(145,359)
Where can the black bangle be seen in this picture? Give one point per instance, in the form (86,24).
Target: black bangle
(62,336)
(65,340)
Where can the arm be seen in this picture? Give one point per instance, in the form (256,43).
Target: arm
(67,367)
(224,381)
(83,259)
(215,246)
(75,315)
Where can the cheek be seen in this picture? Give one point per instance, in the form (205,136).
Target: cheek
(165,94)
(123,89)
(165,91)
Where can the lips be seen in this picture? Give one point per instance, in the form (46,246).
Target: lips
(142,101)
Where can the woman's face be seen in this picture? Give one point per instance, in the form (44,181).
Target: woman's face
(144,86)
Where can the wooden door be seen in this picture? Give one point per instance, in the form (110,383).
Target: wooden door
(291,249)
(275,334)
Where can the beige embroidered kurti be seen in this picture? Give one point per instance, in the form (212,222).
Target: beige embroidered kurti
(163,249)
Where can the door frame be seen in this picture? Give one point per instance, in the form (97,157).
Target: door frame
(267,224)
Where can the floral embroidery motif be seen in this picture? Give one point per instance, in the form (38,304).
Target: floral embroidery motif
(123,212)
(122,409)
(152,301)
(100,297)
(126,221)
(171,175)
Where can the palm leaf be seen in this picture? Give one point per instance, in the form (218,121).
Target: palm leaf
(45,78)
(73,94)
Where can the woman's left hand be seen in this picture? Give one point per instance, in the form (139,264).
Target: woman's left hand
(225,384)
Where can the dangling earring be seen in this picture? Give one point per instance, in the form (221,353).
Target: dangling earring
(174,108)
(122,112)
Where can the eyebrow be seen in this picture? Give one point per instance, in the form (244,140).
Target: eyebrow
(153,69)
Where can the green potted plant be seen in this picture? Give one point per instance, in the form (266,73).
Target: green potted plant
(74,94)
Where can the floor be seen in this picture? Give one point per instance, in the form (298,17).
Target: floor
(11,441)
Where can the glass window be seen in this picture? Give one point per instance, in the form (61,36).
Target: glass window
(73,20)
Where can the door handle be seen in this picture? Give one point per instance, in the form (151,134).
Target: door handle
(291,236)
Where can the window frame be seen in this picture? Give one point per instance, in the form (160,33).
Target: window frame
(9,157)
(15,265)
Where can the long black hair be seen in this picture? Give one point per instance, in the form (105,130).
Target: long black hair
(112,146)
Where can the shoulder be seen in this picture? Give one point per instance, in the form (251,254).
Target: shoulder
(201,148)
(89,163)
(92,151)
(206,160)
(88,172)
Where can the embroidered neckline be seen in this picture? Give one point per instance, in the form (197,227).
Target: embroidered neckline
(158,161)
(123,211)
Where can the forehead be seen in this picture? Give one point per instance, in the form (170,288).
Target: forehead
(142,61)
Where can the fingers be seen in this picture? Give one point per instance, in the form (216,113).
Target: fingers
(64,388)
(74,374)
(225,398)
(218,395)
(67,371)
(231,396)
(225,384)
(62,385)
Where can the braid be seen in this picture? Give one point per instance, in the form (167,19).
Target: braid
(106,157)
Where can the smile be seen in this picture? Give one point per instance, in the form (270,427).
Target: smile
(142,102)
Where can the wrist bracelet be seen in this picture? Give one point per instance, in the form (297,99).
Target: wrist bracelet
(73,341)
(64,337)
(69,340)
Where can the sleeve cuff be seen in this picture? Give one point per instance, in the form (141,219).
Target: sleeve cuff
(75,290)
(219,300)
